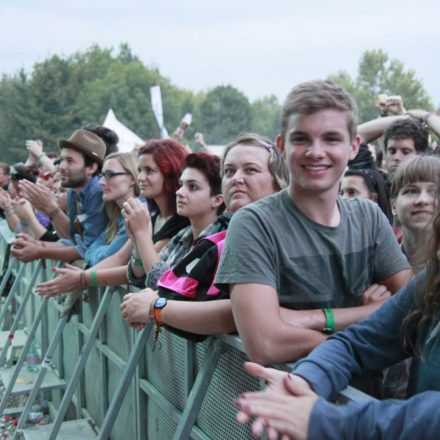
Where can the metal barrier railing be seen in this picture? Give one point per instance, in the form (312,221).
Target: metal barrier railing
(180,390)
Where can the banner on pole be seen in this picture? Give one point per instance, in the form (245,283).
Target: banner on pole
(156,105)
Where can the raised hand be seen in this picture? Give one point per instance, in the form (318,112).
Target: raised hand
(41,197)
(137,217)
(23,208)
(35,147)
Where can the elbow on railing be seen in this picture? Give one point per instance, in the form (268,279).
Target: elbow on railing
(261,351)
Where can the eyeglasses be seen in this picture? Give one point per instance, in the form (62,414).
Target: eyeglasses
(110,174)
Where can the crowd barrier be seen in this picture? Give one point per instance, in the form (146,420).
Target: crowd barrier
(178,390)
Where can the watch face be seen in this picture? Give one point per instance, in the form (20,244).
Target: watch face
(160,303)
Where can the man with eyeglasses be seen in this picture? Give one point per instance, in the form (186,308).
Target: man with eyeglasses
(82,156)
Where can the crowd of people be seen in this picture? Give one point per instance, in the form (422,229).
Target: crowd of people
(318,246)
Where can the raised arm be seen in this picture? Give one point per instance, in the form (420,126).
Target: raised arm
(36,154)
(29,222)
(371,130)
(45,200)
(432,120)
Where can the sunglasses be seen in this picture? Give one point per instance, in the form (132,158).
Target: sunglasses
(107,175)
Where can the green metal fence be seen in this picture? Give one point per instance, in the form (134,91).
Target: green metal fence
(180,390)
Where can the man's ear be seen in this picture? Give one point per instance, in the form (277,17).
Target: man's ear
(374,197)
(355,145)
(279,140)
(91,169)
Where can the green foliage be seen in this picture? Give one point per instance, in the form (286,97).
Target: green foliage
(377,73)
(61,94)
(226,113)
(16,110)
(266,116)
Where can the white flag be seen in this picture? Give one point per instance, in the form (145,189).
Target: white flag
(128,140)
(156,104)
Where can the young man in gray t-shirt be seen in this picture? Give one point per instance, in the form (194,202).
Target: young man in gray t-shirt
(305,248)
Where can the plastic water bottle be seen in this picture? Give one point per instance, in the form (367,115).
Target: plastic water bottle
(32,358)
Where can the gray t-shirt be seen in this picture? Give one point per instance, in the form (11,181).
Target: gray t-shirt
(310,265)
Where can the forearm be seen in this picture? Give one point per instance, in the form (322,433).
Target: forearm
(282,343)
(114,276)
(33,227)
(266,337)
(371,130)
(315,319)
(433,122)
(60,222)
(12,218)
(61,253)
(205,317)
(46,163)
(372,419)
(146,251)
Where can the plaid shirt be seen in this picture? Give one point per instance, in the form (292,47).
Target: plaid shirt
(174,251)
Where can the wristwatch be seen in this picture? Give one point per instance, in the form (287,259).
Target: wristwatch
(159,305)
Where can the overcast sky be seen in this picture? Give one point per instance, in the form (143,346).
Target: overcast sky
(260,47)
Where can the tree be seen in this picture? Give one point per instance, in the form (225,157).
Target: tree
(62,94)
(377,73)
(225,113)
(266,116)
(16,116)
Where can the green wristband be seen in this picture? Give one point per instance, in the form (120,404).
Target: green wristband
(329,321)
(138,262)
(93,278)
